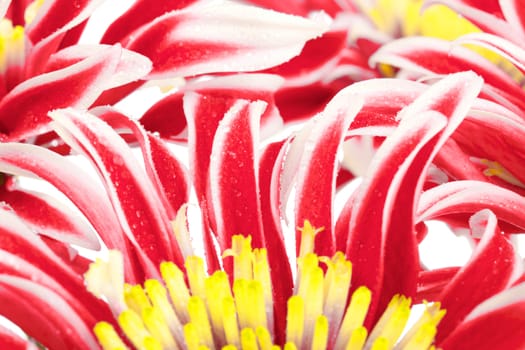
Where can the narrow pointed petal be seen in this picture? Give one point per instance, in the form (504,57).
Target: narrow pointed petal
(44,315)
(430,284)
(230,37)
(234,191)
(50,26)
(24,110)
(494,259)
(47,216)
(317,171)
(141,215)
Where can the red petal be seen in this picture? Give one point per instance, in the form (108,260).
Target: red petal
(12,341)
(140,13)
(24,110)
(380,219)
(234,191)
(514,14)
(230,37)
(430,56)
(44,315)
(492,267)
(141,214)
(47,216)
(470,197)
(431,283)
(317,171)
(500,329)
(167,116)
(270,166)
(168,175)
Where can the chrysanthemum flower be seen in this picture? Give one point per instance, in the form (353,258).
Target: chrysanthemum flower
(242,186)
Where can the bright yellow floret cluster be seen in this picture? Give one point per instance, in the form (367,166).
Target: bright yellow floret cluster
(196,312)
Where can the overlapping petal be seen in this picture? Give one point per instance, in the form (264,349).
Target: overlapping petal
(214,36)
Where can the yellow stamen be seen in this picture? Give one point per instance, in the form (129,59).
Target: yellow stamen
(196,275)
(136,298)
(174,279)
(108,337)
(132,325)
(218,315)
(295,320)
(320,338)
(199,318)
(248,339)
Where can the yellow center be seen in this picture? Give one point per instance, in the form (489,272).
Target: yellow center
(196,312)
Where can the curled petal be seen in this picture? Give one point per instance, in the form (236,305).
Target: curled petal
(395,176)
(140,13)
(483,17)
(131,66)
(24,110)
(429,56)
(44,315)
(514,14)
(493,266)
(166,172)
(230,37)
(45,215)
(141,215)
(468,197)
(12,341)
(509,50)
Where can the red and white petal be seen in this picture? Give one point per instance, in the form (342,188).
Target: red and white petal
(317,172)
(166,172)
(468,197)
(493,267)
(49,217)
(140,13)
(71,180)
(430,56)
(168,118)
(12,341)
(513,12)
(44,315)
(234,190)
(140,213)
(317,59)
(395,177)
(498,329)
(58,16)
(270,166)
(130,67)
(514,53)
(485,17)
(24,110)
(230,37)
